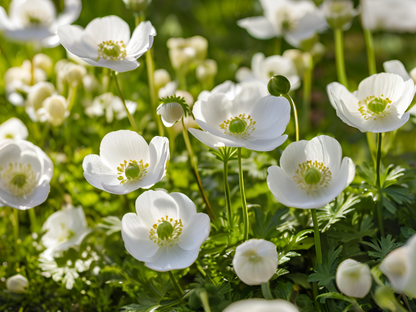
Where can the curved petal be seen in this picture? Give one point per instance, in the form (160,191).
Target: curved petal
(95,170)
(265,145)
(172,258)
(258,27)
(122,66)
(195,232)
(70,37)
(37,197)
(211,140)
(108,28)
(396,67)
(187,208)
(141,40)
(158,155)
(385,84)
(292,156)
(326,150)
(70,13)
(389,123)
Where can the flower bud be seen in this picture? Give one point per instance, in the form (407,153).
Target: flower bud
(161,77)
(189,99)
(43,62)
(255,261)
(297,58)
(200,45)
(170,113)
(261,305)
(413,74)
(17,284)
(307,44)
(339,13)
(55,110)
(181,58)
(206,71)
(74,74)
(38,93)
(137,5)
(386,300)
(60,65)
(278,85)
(353,278)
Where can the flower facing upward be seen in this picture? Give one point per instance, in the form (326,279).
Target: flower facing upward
(379,104)
(106,42)
(255,261)
(25,173)
(354,278)
(13,128)
(126,162)
(261,305)
(311,173)
(166,232)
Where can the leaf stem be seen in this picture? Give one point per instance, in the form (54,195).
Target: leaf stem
(295,113)
(371,57)
(278,45)
(175,284)
(378,184)
(243,196)
(339,56)
(265,289)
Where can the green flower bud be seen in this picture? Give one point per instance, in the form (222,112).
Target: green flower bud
(312,176)
(237,126)
(137,5)
(278,85)
(164,230)
(132,171)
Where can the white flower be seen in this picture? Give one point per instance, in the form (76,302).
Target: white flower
(106,42)
(170,113)
(379,104)
(261,305)
(311,173)
(161,77)
(36,96)
(250,121)
(53,110)
(168,89)
(43,62)
(263,68)
(25,173)
(229,88)
(166,232)
(399,267)
(206,71)
(126,162)
(13,128)
(37,21)
(339,13)
(295,20)
(353,278)
(73,74)
(390,15)
(17,284)
(255,261)
(397,67)
(64,229)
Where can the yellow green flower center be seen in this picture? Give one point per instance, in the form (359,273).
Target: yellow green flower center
(19,179)
(166,231)
(131,171)
(8,136)
(374,107)
(112,50)
(239,126)
(312,175)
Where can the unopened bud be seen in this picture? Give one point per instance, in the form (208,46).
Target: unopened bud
(55,109)
(206,71)
(38,93)
(170,113)
(43,62)
(278,85)
(354,278)
(74,74)
(161,77)
(17,284)
(339,13)
(137,5)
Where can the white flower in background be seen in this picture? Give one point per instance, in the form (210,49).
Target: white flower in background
(261,305)
(25,173)
(35,98)
(43,62)
(166,231)
(389,15)
(170,113)
(354,278)
(53,110)
(161,77)
(106,42)
(339,13)
(229,88)
(13,128)
(90,83)
(250,121)
(185,51)
(263,68)
(168,89)
(311,173)
(294,20)
(37,21)
(127,162)
(17,284)
(399,267)
(255,261)
(379,104)
(73,74)
(111,105)
(206,71)
(64,229)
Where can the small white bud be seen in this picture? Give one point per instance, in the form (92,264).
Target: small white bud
(55,109)
(354,278)
(206,71)
(38,93)
(43,62)
(74,74)
(170,113)
(182,58)
(161,77)
(17,284)
(261,305)
(200,45)
(137,5)
(339,13)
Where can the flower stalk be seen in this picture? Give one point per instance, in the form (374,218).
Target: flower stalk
(265,289)
(33,220)
(203,295)
(307,90)
(371,58)
(15,222)
(243,196)
(317,236)
(339,56)
(175,284)
(378,184)
(72,93)
(295,113)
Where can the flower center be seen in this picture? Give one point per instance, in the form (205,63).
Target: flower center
(18,179)
(239,126)
(131,171)
(112,50)
(8,136)
(312,175)
(166,231)
(374,107)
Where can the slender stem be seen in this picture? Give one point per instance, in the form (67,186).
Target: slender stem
(380,199)
(131,119)
(406,302)
(307,90)
(339,56)
(203,295)
(72,92)
(243,195)
(33,220)
(195,169)
(228,195)
(265,289)
(175,284)
(317,236)
(278,45)
(371,57)
(295,113)
(15,223)
(6,58)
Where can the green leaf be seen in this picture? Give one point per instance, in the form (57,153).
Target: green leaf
(334,295)
(382,247)
(407,232)
(265,226)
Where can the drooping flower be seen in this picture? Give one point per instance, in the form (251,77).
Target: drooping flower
(25,173)
(106,42)
(399,267)
(37,21)
(263,68)
(379,104)
(249,120)
(255,261)
(261,305)
(311,173)
(170,113)
(17,284)
(354,278)
(166,232)
(127,162)
(13,128)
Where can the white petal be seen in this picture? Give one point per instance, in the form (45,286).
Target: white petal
(127,64)
(187,208)
(265,145)
(70,37)
(261,305)
(396,67)
(95,170)
(172,258)
(195,232)
(159,155)
(15,128)
(389,123)
(211,140)
(70,13)
(37,197)
(259,27)
(244,102)
(292,156)
(142,39)
(326,150)
(354,278)
(410,289)
(389,85)
(108,28)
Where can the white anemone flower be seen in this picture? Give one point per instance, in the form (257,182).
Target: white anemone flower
(229,88)
(379,104)
(255,261)
(263,68)
(106,42)
(354,278)
(250,121)
(13,128)
(399,267)
(127,162)
(170,113)
(261,305)
(17,284)
(166,231)
(25,174)
(64,229)
(37,21)
(311,173)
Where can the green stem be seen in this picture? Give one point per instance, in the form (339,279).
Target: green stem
(203,295)
(15,223)
(6,58)
(371,57)
(380,199)
(131,119)
(175,284)
(243,195)
(72,92)
(33,220)
(406,302)
(317,236)
(195,169)
(228,195)
(339,56)
(295,113)
(265,289)
(307,90)
(278,45)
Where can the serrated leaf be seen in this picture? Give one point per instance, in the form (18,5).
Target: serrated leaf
(325,272)
(382,247)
